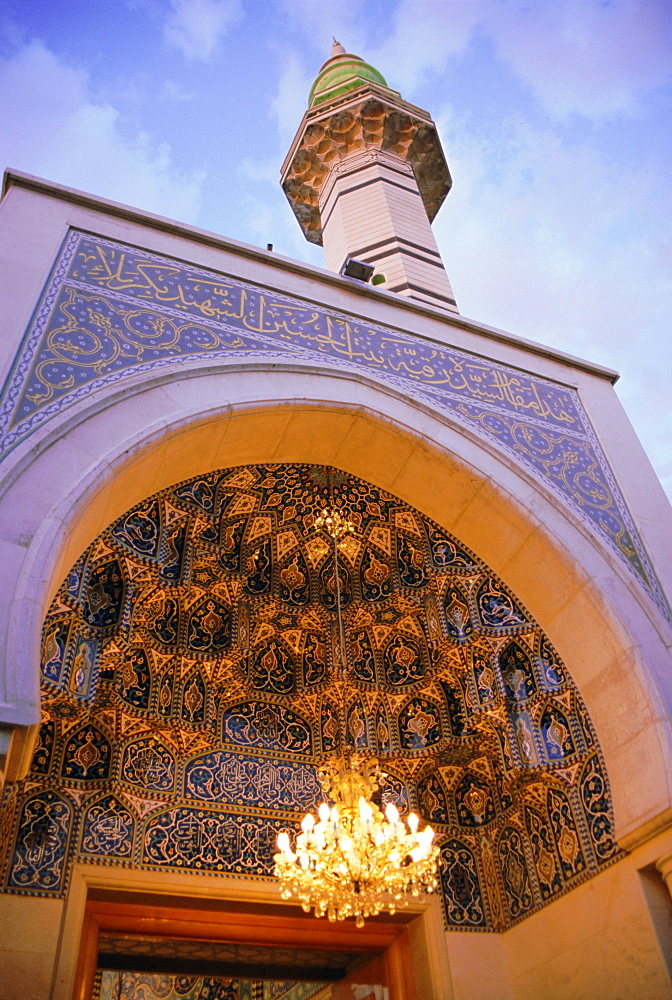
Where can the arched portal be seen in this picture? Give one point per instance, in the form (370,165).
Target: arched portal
(566,581)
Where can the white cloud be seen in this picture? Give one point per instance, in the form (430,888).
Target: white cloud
(196,27)
(50,126)
(177,92)
(291,99)
(321,21)
(586,56)
(576,56)
(425,34)
(566,217)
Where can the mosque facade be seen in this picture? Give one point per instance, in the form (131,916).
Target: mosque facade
(177,411)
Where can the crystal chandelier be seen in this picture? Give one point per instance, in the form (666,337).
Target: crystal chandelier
(352,860)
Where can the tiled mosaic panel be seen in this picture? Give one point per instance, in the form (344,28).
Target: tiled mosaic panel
(189,695)
(111,311)
(148,986)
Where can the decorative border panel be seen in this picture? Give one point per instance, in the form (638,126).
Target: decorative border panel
(111,311)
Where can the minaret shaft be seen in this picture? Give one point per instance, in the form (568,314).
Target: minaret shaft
(371,208)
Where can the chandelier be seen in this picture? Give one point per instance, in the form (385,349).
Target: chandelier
(351,860)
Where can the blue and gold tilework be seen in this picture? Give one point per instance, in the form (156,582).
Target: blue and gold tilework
(190,695)
(111,985)
(111,311)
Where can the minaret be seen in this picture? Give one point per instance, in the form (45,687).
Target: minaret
(366,175)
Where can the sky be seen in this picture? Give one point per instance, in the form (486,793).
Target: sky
(555,117)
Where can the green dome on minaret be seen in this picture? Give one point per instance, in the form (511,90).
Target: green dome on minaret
(341,73)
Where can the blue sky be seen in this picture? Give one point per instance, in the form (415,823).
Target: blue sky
(555,117)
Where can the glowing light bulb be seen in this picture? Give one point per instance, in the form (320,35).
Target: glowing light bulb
(412,822)
(392,812)
(283,842)
(365,810)
(308,822)
(323,812)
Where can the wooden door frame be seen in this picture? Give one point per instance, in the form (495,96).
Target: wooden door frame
(262,928)
(100,898)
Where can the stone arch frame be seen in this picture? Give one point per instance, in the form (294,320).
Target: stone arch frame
(571,584)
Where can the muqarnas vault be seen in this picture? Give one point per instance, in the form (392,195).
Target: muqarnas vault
(189,695)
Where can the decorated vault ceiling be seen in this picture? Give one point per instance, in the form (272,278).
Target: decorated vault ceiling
(190,693)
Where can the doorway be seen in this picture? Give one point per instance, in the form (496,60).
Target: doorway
(202,949)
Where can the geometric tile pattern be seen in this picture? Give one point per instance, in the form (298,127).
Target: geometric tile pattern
(111,311)
(190,694)
(164,950)
(151,986)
